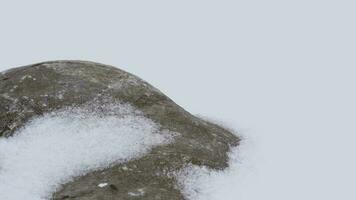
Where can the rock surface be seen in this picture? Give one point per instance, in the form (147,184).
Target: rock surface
(30,91)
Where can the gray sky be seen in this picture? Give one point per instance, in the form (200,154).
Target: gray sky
(281,72)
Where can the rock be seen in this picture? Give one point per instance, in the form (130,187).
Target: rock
(30,91)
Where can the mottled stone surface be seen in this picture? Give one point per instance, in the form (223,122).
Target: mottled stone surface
(30,91)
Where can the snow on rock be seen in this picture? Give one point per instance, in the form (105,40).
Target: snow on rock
(53,149)
(44,151)
(202,183)
(101,185)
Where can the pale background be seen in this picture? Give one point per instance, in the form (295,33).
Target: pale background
(281,72)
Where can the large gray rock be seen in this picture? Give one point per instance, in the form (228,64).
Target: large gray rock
(30,91)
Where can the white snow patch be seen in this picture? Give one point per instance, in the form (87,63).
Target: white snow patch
(139,192)
(202,183)
(25,77)
(53,149)
(101,185)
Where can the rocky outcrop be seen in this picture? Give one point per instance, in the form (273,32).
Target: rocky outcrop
(30,91)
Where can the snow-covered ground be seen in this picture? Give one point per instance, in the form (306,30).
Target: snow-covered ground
(282,73)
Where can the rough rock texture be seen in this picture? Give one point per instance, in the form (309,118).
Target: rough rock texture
(30,91)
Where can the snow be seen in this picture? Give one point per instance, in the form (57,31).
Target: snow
(53,149)
(101,185)
(202,183)
(139,192)
(281,72)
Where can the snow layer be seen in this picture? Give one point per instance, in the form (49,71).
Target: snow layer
(53,149)
(202,183)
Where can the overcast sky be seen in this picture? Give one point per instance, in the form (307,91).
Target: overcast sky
(281,72)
